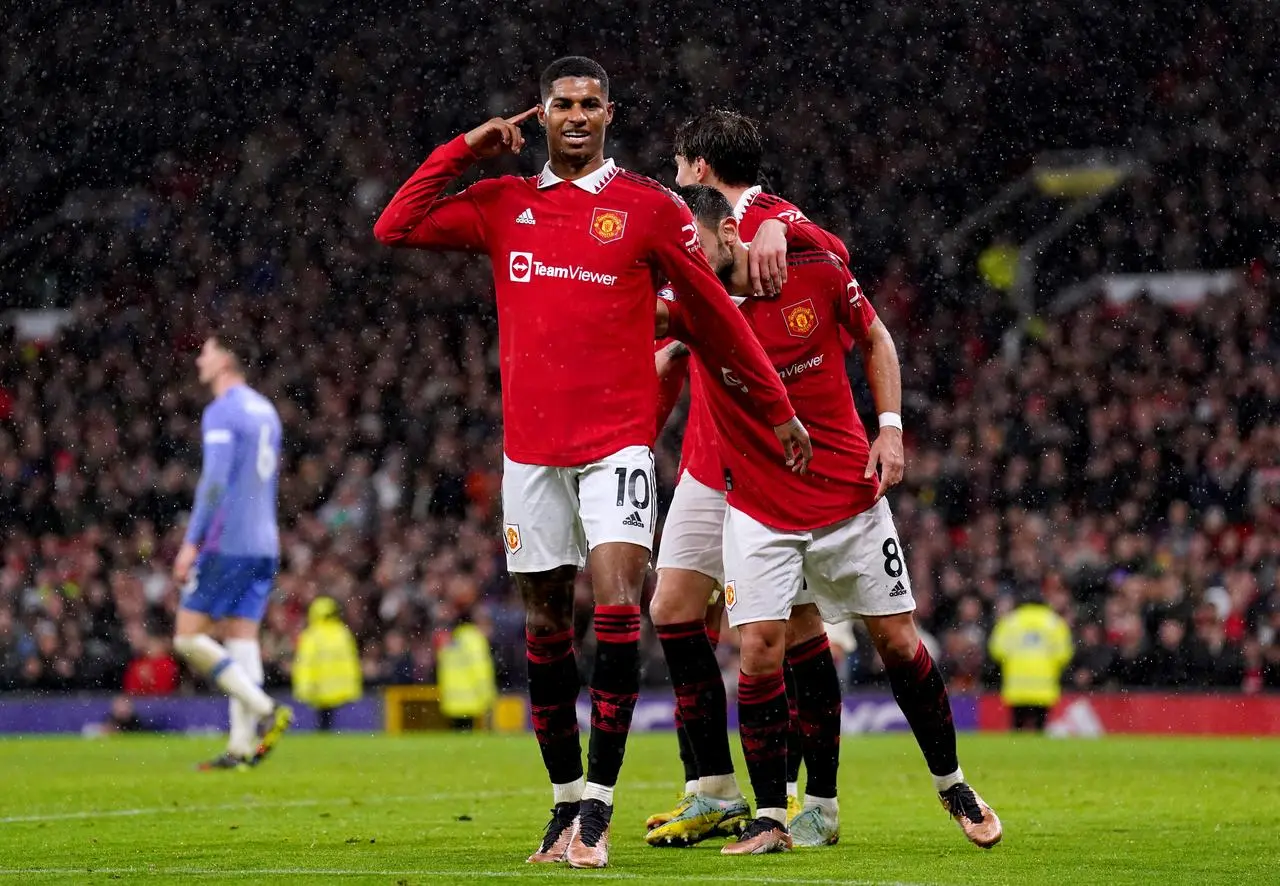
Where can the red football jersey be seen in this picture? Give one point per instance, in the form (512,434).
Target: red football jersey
(699,454)
(801,332)
(573,267)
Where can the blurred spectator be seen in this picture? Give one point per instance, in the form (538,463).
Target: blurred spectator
(153,669)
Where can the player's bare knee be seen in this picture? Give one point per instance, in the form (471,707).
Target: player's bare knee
(896,638)
(548,599)
(675,601)
(762,646)
(804,624)
(618,572)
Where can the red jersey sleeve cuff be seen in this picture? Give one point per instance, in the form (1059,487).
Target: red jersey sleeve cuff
(458,149)
(779,413)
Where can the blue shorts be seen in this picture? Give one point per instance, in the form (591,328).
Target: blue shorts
(230,587)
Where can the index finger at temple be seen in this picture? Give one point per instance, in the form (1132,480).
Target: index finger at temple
(523,116)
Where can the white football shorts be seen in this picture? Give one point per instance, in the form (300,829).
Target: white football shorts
(693,535)
(553,516)
(853,568)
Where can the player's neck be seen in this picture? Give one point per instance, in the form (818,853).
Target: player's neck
(225,382)
(568,170)
(732,193)
(740,280)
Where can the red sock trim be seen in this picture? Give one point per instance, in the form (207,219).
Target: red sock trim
(617,624)
(713,637)
(810,648)
(681,630)
(760,688)
(547,648)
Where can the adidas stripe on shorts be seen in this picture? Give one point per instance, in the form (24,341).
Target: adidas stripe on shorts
(553,516)
(852,568)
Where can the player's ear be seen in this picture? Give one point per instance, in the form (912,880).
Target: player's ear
(608,113)
(542,114)
(700,169)
(729,231)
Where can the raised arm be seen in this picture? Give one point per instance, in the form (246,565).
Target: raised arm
(419,217)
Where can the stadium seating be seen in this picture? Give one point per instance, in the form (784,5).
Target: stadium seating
(1121,462)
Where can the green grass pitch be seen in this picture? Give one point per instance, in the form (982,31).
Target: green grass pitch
(462,809)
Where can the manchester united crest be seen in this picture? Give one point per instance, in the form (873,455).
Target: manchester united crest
(607,225)
(511,532)
(730,594)
(801,318)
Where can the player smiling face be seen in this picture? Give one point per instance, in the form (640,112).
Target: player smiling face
(576,112)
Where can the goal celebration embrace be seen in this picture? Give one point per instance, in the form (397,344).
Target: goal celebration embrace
(791,527)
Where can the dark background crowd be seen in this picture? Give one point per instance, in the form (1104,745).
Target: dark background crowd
(167,172)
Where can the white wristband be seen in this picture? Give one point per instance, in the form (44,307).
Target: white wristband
(890,420)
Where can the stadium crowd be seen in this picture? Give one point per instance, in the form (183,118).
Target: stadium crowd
(1123,465)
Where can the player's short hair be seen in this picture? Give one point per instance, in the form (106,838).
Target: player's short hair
(242,347)
(708,205)
(572,66)
(728,141)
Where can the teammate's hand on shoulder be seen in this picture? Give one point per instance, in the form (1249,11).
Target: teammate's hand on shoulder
(887,456)
(796,444)
(767,258)
(499,135)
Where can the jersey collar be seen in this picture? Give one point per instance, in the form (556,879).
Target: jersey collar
(744,201)
(593,183)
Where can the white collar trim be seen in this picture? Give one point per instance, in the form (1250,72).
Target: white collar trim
(744,201)
(593,183)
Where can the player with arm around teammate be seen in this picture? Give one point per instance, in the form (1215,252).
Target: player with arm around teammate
(228,558)
(723,149)
(574,252)
(826,536)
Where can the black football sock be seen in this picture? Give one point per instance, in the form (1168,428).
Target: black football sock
(762,722)
(553,699)
(818,703)
(919,690)
(700,695)
(687,759)
(615,685)
(795,742)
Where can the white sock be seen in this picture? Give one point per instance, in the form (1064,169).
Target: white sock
(778,815)
(244,725)
(722,787)
(793,789)
(207,657)
(942,782)
(691,787)
(599,792)
(829,805)
(569,792)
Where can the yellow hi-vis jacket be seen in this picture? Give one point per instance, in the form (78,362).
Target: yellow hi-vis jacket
(464,673)
(1032,644)
(326,667)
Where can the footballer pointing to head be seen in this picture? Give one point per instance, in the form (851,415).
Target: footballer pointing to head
(574,251)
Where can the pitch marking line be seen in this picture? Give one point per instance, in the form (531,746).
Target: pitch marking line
(452,874)
(251,806)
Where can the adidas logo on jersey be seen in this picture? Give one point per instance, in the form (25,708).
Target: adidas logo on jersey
(898,590)
(634,520)
(525,218)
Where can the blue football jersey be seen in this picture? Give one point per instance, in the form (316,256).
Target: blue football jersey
(235,508)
